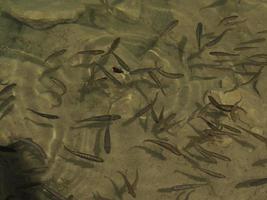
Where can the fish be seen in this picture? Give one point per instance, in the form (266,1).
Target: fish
(45,125)
(217,39)
(154,115)
(85,156)
(143,70)
(165,145)
(258,40)
(230,128)
(131,187)
(243,142)
(170,75)
(107,143)
(30,142)
(161,114)
(52,193)
(228,18)
(114,45)
(215,4)
(203,78)
(171,25)
(211,173)
(254,86)
(236,22)
(181,187)
(244,48)
(263,31)
(89,125)
(213,154)
(90,52)
(101,118)
(60,84)
(195,178)
(251,183)
(153,153)
(7,88)
(55,54)
(7,149)
(110,76)
(121,62)
(181,47)
(56,96)
(221,53)
(260,162)
(142,111)
(154,77)
(8,110)
(218,105)
(199,33)
(48,116)
(180,195)
(257,136)
(188,195)
(118,191)
(117,70)
(6,102)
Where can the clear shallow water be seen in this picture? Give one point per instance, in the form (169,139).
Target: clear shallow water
(138,25)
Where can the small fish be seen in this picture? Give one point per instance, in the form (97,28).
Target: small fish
(7,149)
(203,78)
(244,48)
(55,54)
(188,195)
(251,183)
(154,77)
(181,47)
(170,75)
(254,86)
(6,102)
(114,45)
(30,142)
(263,31)
(7,111)
(143,70)
(213,154)
(121,62)
(180,195)
(107,143)
(45,125)
(154,154)
(101,118)
(260,162)
(195,178)
(181,187)
(243,143)
(48,116)
(131,187)
(161,114)
(7,88)
(221,53)
(199,33)
(230,128)
(117,70)
(169,27)
(90,125)
(51,193)
(227,19)
(215,4)
(110,76)
(257,136)
(217,39)
(118,191)
(258,40)
(60,84)
(142,111)
(91,52)
(218,105)
(85,156)
(211,173)
(165,145)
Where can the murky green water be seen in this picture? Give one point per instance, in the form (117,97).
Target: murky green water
(185,82)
